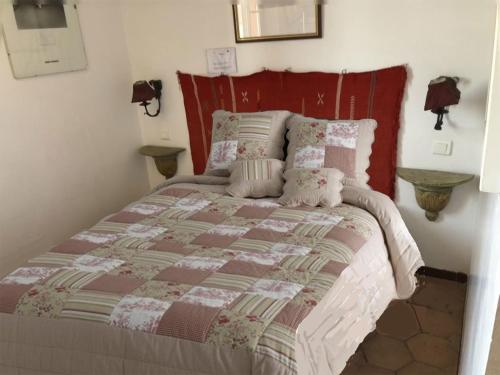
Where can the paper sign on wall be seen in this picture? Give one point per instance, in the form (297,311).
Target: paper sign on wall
(222,60)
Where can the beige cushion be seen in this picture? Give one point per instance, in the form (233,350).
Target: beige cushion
(256,178)
(242,136)
(312,187)
(342,144)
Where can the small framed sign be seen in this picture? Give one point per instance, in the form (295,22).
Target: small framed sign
(221,60)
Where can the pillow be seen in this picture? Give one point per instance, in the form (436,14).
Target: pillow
(258,135)
(256,178)
(312,187)
(342,144)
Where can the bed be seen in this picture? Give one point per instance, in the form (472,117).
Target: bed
(189,280)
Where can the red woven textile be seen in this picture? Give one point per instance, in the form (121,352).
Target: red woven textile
(376,95)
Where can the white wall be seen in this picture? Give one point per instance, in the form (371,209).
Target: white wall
(484,289)
(433,37)
(68,143)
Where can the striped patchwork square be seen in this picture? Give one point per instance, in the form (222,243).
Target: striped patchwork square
(228,281)
(211,297)
(288,214)
(71,278)
(192,226)
(302,263)
(138,313)
(335,250)
(29,275)
(90,305)
(176,213)
(312,230)
(54,259)
(251,245)
(257,305)
(275,289)
(260,169)
(278,342)
(254,127)
(160,258)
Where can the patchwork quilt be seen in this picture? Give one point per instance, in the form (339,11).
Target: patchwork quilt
(197,266)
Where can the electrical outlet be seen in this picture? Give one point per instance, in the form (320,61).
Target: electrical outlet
(164,136)
(442,148)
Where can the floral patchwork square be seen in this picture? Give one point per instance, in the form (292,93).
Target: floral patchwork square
(275,289)
(268,259)
(192,204)
(138,313)
(89,263)
(289,249)
(277,225)
(200,263)
(310,157)
(28,275)
(96,237)
(145,232)
(342,134)
(211,297)
(145,209)
(322,218)
(228,230)
(162,290)
(222,154)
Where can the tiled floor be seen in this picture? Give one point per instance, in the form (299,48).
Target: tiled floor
(416,337)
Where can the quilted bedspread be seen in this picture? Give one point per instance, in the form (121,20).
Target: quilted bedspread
(197,266)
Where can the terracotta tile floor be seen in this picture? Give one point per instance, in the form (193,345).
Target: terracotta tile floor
(416,337)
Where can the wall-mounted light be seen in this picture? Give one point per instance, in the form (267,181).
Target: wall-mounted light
(442,93)
(145,91)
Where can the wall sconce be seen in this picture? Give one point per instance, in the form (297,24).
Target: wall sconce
(145,91)
(442,93)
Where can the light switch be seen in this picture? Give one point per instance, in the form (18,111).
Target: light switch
(442,148)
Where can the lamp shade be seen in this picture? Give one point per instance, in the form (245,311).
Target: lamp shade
(442,93)
(142,92)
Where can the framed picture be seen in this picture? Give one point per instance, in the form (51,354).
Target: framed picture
(271,20)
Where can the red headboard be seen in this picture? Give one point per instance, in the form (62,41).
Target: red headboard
(376,95)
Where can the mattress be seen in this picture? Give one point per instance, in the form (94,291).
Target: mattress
(189,280)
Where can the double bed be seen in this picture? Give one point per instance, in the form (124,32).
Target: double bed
(191,281)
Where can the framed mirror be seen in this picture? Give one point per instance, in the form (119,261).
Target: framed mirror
(271,20)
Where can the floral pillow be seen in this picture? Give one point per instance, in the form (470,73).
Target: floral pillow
(244,136)
(343,144)
(256,178)
(312,187)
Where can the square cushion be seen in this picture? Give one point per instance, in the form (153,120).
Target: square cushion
(236,136)
(256,178)
(312,187)
(342,144)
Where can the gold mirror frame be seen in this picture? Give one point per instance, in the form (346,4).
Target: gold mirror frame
(318,33)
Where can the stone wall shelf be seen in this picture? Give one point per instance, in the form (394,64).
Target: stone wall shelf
(433,188)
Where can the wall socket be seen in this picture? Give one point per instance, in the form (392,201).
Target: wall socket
(442,147)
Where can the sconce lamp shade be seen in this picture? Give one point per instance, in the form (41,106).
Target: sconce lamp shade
(442,93)
(142,92)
